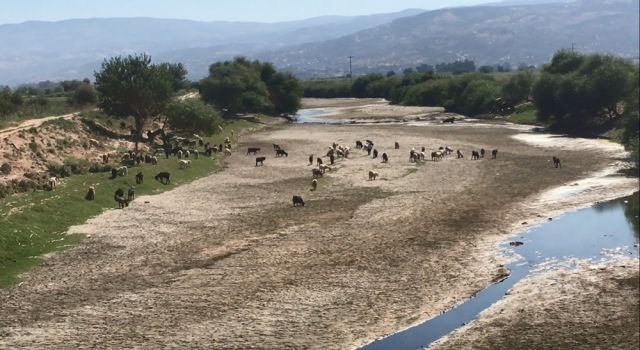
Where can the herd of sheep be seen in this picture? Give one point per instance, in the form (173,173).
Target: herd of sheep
(185,154)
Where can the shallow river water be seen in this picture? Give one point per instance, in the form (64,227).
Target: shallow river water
(595,233)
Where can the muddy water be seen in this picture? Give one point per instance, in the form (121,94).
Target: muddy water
(596,233)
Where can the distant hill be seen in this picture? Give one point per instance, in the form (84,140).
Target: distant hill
(34,51)
(487,34)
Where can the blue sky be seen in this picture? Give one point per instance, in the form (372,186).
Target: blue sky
(15,11)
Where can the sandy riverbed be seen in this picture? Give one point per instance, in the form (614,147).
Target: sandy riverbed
(226,262)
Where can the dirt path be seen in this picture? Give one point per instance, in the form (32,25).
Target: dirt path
(226,262)
(30,123)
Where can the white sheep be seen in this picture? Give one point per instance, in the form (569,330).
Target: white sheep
(53,183)
(154,160)
(184,163)
(227,152)
(373,175)
(179,153)
(123,170)
(187,154)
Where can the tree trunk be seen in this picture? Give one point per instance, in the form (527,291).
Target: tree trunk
(138,134)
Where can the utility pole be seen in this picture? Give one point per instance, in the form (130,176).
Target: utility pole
(350,68)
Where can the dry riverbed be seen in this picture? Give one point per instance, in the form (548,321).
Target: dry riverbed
(226,262)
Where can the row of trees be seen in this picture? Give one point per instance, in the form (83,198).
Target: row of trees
(25,99)
(471,94)
(134,86)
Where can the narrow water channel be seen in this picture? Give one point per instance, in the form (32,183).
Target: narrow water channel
(593,233)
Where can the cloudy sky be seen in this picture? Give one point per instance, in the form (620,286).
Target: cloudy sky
(16,11)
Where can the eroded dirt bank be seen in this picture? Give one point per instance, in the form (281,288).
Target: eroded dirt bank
(226,262)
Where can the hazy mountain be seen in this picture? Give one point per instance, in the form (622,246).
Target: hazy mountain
(488,34)
(74,48)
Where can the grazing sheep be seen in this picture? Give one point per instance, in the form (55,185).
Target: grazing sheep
(316,173)
(397,145)
(163,177)
(131,194)
(179,153)
(154,160)
(482,152)
(372,175)
(330,152)
(253,150)
(91,193)
(324,168)
(281,152)
(412,156)
(260,160)
(298,201)
(385,157)
(375,153)
(556,162)
(421,155)
(183,164)
(227,152)
(53,183)
(359,145)
(119,198)
(187,154)
(314,184)
(196,154)
(139,178)
(475,155)
(448,150)
(123,170)
(319,161)
(459,153)
(494,154)
(436,156)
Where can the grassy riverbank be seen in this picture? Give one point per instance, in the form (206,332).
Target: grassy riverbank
(35,223)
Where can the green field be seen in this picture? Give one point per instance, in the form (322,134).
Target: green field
(524,114)
(35,223)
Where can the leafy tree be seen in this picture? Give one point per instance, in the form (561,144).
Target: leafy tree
(84,95)
(423,68)
(486,69)
(457,67)
(518,87)
(132,86)
(579,90)
(631,120)
(243,86)
(192,115)
(390,73)
(408,71)
(360,85)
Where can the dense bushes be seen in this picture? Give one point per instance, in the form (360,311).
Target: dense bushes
(243,86)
